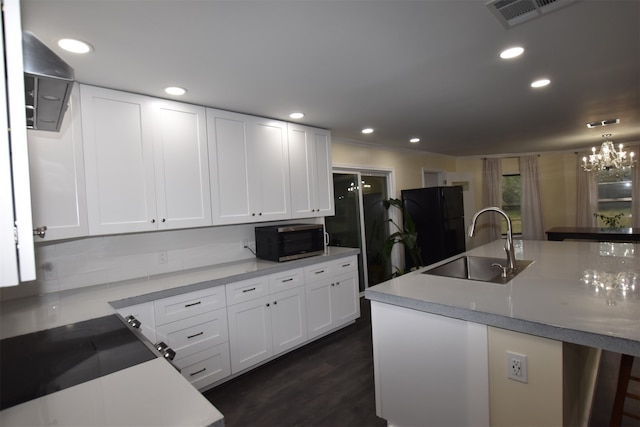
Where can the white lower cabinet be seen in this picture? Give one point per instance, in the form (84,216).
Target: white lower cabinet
(265,325)
(331,295)
(223,330)
(194,325)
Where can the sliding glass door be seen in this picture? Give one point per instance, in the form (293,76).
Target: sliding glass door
(361,221)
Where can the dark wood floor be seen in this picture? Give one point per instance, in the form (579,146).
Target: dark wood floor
(330,383)
(326,383)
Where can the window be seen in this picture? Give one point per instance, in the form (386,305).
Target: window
(614,196)
(511,202)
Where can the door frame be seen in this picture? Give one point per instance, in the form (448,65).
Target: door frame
(389,174)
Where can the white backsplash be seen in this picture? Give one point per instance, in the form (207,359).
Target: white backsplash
(97,260)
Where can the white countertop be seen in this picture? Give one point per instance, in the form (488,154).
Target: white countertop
(556,297)
(149,394)
(25,315)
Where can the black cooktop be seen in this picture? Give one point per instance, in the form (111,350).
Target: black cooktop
(40,363)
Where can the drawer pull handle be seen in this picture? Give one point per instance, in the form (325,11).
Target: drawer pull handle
(195,335)
(192,304)
(346,265)
(319,272)
(287,280)
(198,372)
(249,290)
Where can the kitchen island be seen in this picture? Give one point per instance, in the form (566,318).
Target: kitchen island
(440,343)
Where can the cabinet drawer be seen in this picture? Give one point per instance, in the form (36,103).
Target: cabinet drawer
(286,280)
(345,265)
(207,366)
(189,304)
(196,333)
(317,272)
(246,290)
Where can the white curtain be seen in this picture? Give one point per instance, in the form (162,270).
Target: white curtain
(530,205)
(635,189)
(587,195)
(492,196)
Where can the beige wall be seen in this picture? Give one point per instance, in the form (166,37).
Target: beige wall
(406,166)
(557,173)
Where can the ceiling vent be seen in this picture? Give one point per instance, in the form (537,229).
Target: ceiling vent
(514,12)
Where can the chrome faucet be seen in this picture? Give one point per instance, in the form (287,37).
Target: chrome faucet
(508,246)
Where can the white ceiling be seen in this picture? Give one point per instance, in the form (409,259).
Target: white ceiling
(406,68)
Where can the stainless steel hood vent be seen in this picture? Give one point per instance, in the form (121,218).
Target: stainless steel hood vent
(47,84)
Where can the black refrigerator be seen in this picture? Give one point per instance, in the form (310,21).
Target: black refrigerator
(438,213)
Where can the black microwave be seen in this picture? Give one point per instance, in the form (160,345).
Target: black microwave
(289,242)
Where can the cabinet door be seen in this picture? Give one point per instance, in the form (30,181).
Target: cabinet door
(269,170)
(250,334)
(319,315)
(56,167)
(181,165)
(345,302)
(323,185)
(228,141)
(311,176)
(118,153)
(288,319)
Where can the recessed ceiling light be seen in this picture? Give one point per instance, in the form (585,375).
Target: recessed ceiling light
(296,115)
(367,130)
(175,90)
(512,52)
(75,46)
(540,83)
(414,140)
(603,123)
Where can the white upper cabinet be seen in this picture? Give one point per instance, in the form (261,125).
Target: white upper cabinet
(249,168)
(146,163)
(57,177)
(183,195)
(310,168)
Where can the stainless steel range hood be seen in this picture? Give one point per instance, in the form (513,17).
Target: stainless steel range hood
(47,83)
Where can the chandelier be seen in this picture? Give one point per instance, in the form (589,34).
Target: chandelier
(608,158)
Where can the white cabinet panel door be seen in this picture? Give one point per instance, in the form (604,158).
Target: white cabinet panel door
(311,176)
(345,301)
(288,319)
(118,150)
(57,177)
(15,192)
(270,170)
(250,333)
(181,165)
(228,166)
(319,313)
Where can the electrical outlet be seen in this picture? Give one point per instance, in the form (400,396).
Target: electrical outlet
(163,257)
(517,367)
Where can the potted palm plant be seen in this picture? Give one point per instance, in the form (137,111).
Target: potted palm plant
(405,235)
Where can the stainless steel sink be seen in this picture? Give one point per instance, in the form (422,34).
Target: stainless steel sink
(481,269)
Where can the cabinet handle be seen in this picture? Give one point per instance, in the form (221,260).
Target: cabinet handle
(287,280)
(259,213)
(153,221)
(268,304)
(346,265)
(337,283)
(249,290)
(164,220)
(333,284)
(275,302)
(195,335)
(319,272)
(198,372)
(192,304)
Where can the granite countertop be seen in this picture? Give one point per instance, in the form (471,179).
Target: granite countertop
(585,293)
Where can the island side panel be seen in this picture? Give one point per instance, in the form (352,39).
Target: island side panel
(429,369)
